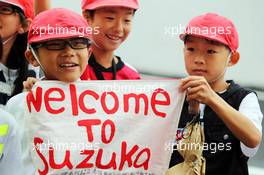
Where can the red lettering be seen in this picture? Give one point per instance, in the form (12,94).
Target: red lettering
(49,99)
(66,161)
(37,142)
(88,124)
(145,164)
(35,101)
(126,157)
(103,102)
(155,102)
(74,101)
(84,163)
(137,102)
(109,101)
(112,131)
(111,164)
(81,101)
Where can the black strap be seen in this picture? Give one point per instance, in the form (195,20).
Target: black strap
(114,69)
(1,47)
(2,77)
(98,71)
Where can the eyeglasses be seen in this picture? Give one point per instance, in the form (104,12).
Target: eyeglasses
(7,10)
(60,44)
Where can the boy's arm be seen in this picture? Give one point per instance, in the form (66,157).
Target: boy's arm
(240,126)
(250,107)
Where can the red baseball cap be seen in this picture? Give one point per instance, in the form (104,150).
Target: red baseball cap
(58,23)
(94,4)
(213,27)
(27,6)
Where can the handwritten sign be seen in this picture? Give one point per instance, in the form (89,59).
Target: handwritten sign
(103,127)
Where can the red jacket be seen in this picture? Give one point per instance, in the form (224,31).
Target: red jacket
(95,71)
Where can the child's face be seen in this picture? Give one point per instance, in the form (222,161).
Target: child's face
(203,58)
(65,65)
(113,26)
(9,22)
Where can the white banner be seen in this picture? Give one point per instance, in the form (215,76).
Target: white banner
(103,127)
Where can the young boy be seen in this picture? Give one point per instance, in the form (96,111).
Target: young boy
(230,114)
(61,54)
(111,22)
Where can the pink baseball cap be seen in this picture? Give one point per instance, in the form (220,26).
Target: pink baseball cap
(58,23)
(213,27)
(27,6)
(94,4)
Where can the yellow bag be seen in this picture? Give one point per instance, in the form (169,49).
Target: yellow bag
(194,162)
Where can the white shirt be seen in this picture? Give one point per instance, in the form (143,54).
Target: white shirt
(10,76)
(250,108)
(10,158)
(17,107)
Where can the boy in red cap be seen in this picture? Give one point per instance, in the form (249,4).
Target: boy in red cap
(15,18)
(111,21)
(230,114)
(61,54)
(45,34)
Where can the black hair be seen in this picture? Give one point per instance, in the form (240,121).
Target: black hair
(213,42)
(91,12)
(16,58)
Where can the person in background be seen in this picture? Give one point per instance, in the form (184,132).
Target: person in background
(41,5)
(15,18)
(111,22)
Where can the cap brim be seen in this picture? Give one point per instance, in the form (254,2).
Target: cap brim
(182,37)
(53,37)
(14,4)
(103,4)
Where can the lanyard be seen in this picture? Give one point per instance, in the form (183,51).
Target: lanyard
(97,68)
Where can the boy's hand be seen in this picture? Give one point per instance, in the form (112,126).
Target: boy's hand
(28,84)
(197,89)
(244,130)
